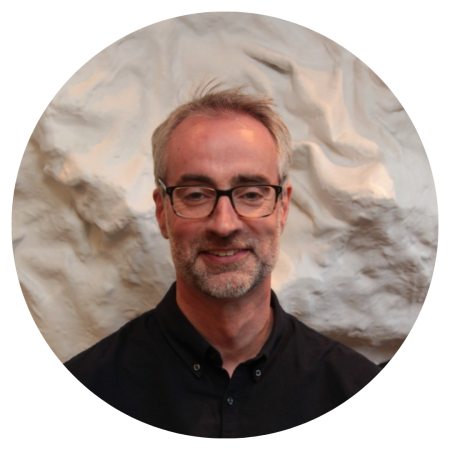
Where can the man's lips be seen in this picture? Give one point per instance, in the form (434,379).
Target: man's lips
(225,255)
(228,252)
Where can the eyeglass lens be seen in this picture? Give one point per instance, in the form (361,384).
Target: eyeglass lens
(249,201)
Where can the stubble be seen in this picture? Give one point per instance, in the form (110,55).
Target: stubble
(226,280)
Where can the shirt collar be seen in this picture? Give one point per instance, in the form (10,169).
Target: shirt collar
(194,350)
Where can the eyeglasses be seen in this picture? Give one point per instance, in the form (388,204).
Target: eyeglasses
(197,202)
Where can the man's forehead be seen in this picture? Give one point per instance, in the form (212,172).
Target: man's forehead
(235,180)
(221,151)
(200,126)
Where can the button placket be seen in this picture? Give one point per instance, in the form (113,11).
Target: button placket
(231,404)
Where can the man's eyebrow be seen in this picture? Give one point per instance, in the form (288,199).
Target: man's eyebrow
(195,177)
(250,178)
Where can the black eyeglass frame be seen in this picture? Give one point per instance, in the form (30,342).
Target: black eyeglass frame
(221,193)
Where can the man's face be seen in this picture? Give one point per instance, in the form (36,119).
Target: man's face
(222,152)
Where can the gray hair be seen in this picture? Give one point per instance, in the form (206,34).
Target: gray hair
(210,101)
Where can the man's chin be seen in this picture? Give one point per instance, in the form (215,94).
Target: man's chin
(225,285)
(224,291)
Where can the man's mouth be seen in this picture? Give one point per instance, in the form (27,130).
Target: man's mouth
(224,252)
(225,256)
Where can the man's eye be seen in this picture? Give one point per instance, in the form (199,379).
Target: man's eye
(252,195)
(194,196)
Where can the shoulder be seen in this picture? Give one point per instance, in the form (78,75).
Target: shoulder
(115,350)
(325,357)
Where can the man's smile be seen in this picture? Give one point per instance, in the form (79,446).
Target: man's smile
(223,252)
(225,256)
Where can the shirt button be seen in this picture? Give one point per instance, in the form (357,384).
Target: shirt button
(258,373)
(196,367)
(230,400)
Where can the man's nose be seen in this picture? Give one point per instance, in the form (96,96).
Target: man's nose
(224,220)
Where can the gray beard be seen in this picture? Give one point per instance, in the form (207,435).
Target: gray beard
(238,285)
(242,278)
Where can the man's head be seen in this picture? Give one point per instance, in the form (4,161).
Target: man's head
(218,144)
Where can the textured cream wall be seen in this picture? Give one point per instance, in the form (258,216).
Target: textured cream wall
(359,248)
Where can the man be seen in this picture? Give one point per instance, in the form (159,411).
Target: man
(218,357)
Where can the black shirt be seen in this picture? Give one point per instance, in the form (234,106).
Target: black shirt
(158,369)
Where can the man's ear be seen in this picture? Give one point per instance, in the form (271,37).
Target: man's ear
(284,205)
(160,213)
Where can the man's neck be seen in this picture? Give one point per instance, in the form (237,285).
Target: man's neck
(236,327)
